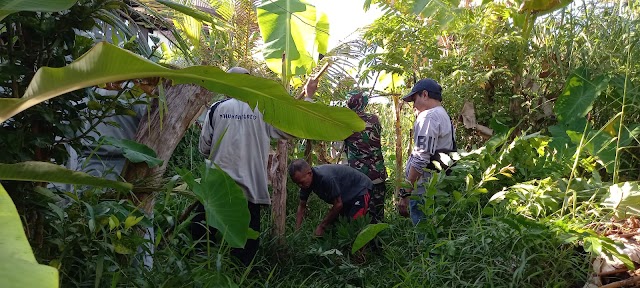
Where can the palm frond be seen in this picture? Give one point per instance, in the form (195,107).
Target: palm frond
(156,17)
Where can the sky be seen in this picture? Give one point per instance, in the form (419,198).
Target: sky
(345,17)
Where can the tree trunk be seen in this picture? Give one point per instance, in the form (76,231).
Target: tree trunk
(308,148)
(279,184)
(185,103)
(399,176)
(321,152)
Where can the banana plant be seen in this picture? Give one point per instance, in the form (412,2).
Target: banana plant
(18,265)
(47,172)
(232,34)
(108,63)
(295,29)
(8,7)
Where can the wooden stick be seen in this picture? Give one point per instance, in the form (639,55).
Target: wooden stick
(616,271)
(628,235)
(315,77)
(629,281)
(181,219)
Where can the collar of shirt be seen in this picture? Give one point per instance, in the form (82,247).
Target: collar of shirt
(317,178)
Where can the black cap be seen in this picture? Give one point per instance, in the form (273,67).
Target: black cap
(434,89)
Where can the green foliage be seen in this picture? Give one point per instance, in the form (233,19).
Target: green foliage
(92,238)
(304,119)
(367,234)
(295,29)
(47,172)
(36,39)
(134,151)
(186,156)
(198,15)
(623,198)
(542,7)
(224,203)
(580,92)
(517,212)
(18,266)
(575,131)
(592,242)
(34,5)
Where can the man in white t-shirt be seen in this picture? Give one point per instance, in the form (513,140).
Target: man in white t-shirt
(433,132)
(236,138)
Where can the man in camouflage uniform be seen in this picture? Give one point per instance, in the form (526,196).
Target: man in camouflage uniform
(364,153)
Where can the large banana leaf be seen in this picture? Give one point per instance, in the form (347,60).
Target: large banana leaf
(18,266)
(108,63)
(292,27)
(11,6)
(48,172)
(578,95)
(322,33)
(224,202)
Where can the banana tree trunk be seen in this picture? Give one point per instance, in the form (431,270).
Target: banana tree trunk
(185,103)
(279,176)
(279,184)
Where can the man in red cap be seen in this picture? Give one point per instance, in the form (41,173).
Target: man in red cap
(433,133)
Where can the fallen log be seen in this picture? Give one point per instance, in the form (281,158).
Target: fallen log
(630,281)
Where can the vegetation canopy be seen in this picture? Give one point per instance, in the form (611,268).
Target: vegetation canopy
(542,192)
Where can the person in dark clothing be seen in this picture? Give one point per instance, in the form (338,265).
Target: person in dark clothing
(347,189)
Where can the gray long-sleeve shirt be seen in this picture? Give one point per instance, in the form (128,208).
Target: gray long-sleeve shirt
(237,139)
(432,131)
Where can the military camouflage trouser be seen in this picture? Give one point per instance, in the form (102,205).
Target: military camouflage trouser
(376,205)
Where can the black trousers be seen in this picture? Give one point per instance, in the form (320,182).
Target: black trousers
(199,231)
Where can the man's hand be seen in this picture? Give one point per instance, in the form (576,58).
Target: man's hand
(319,231)
(302,207)
(403,207)
(330,217)
(403,204)
(311,87)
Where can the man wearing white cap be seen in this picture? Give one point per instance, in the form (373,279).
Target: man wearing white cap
(236,138)
(433,132)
